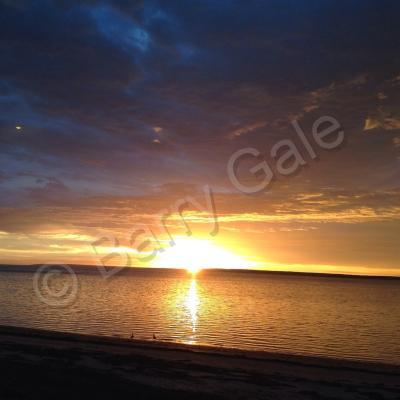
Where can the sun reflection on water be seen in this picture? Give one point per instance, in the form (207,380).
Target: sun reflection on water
(192,303)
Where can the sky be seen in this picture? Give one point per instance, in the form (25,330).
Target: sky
(115,113)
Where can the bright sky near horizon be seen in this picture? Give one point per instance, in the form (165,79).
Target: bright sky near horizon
(113,113)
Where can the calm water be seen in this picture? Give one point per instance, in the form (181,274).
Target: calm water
(335,317)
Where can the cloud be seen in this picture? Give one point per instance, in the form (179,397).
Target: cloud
(247,129)
(386,123)
(49,190)
(120,29)
(371,123)
(117,99)
(119,213)
(273,226)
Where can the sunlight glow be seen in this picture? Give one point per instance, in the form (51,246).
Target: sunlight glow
(197,254)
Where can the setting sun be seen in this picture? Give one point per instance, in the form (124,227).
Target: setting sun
(197,254)
(193,269)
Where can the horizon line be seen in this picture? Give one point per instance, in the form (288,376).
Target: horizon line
(243,270)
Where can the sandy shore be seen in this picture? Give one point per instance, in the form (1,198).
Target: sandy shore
(39,364)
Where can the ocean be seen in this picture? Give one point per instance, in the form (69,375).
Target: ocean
(338,317)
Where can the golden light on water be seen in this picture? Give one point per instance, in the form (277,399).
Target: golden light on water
(184,302)
(192,304)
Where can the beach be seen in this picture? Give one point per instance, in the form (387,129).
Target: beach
(39,364)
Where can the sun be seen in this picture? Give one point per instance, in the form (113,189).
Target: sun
(197,254)
(192,269)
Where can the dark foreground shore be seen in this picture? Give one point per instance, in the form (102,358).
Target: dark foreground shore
(39,364)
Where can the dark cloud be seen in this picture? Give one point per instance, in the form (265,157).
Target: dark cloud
(48,190)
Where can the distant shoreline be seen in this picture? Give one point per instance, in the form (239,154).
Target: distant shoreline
(37,363)
(92,269)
